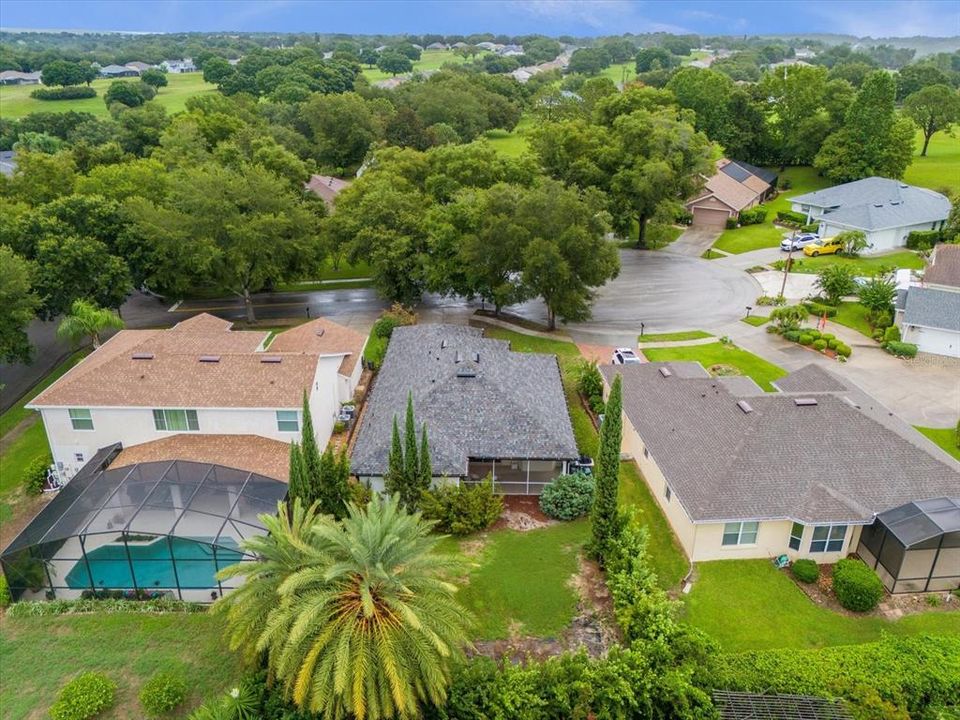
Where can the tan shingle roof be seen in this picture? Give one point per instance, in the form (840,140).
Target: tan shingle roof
(945,266)
(252,453)
(327,187)
(168,371)
(322,337)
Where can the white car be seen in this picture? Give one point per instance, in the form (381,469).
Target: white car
(799,242)
(624,356)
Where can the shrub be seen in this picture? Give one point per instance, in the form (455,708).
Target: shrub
(162,693)
(856,586)
(765,300)
(923,239)
(843,350)
(805,570)
(359,493)
(832,343)
(786,183)
(753,216)
(85,696)
(901,349)
(819,344)
(828,336)
(590,385)
(891,334)
(71,92)
(683,217)
(820,309)
(5,598)
(568,496)
(788,217)
(805,339)
(107,606)
(462,509)
(792,335)
(731,223)
(811,228)
(880,319)
(35,476)
(392,318)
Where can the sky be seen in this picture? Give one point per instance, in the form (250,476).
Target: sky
(862,18)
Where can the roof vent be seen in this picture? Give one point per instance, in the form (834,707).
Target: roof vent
(273,359)
(320,332)
(456,358)
(745,406)
(804,402)
(894,202)
(443,344)
(209,358)
(466,372)
(142,356)
(665,371)
(878,204)
(476,357)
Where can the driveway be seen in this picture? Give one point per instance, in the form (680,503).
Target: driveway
(694,241)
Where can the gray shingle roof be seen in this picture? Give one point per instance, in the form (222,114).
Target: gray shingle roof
(876,203)
(841,460)
(511,407)
(932,308)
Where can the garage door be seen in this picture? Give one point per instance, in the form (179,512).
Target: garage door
(709,217)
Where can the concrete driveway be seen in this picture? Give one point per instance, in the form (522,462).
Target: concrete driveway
(694,241)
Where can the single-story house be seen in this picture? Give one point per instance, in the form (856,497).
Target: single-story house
(438,46)
(138,66)
(327,187)
(179,66)
(488,410)
(735,186)
(118,71)
(928,312)
(15,77)
(886,210)
(741,473)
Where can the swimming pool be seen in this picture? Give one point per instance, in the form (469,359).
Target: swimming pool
(153,566)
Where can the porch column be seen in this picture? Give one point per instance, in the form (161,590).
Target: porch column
(528,477)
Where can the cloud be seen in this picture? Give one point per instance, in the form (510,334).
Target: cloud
(615,16)
(894,18)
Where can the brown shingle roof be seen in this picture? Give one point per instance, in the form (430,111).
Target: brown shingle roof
(252,453)
(322,337)
(945,266)
(730,191)
(327,187)
(163,368)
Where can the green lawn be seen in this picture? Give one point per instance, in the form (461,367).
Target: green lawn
(854,316)
(940,168)
(754,237)
(429,60)
(621,72)
(746,363)
(511,144)
(40,654)
(946,438)
(864,265)
(756,320)
(15,100)
(666,337)
(750,605)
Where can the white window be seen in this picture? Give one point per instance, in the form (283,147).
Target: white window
(81,419)
(796,536)
(828,538)
(740,533)
(176,420)
(78,457)
(287,421)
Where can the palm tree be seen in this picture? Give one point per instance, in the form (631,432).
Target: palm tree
(355,617)
(87,320)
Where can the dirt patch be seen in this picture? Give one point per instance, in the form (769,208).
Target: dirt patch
(722,370)
(17,430)
(472,548)
(523,513)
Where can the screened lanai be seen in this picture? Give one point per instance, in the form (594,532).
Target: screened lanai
(161,528)
(915,547)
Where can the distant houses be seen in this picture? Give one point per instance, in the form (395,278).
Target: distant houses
(119,71)
(183,65)
(15,77)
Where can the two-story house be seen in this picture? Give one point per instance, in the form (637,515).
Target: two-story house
(200,377)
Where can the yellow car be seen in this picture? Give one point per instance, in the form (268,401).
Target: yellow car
(827,246)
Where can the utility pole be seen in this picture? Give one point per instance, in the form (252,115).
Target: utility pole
(786,265)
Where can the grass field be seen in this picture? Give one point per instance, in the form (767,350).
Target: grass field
(854,316)
(941,167)
(41,654)
(429,60)
(15,100)
(945,438)
(755,237)
(667,337)
(511,144)
(750,605)
(864,265)
(745,363)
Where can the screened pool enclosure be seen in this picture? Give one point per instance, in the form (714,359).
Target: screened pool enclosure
(915,547)
(159,528)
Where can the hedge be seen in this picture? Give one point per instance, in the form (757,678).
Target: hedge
(805,570)
(794,218)
(901,349)
(753,216)
(731,223)
(568,496)
(922,239)
(820,309)
(916,673)
(71,92)
(813,227)
(856,586)
(76,607)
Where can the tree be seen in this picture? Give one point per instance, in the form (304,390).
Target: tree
(310,453)
(878,294)
(19,304)
(606,521)
(86,320)
(854,242)
(588,61)
(796,94)
(356,618)
(789,317)
(873,140)
(216,70)
(394,63)
(836,282)
(297,481)
(411,464)
(933,108)
(154,77)
(655,58)
(63,72)
(334,474)
(916,77)
(707,93)
(425,465)
(124,92)
(79,267)
(343,127)
(394,481)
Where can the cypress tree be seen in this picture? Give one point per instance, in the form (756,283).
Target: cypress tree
(311,457)
(426,468)
(296,484)
(411,467)
(605,516)
(333,492)
(393,480)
